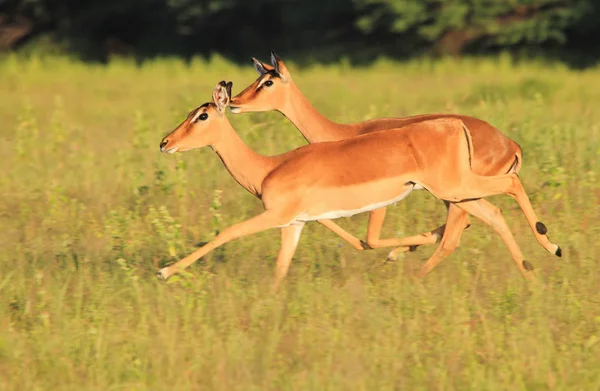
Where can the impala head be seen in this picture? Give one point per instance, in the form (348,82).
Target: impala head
(201,127)
(268,91)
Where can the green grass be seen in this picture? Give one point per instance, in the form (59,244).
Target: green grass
(89,210)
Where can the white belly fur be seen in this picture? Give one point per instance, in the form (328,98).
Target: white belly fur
(347,213)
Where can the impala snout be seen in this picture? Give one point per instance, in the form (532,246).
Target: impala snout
(236,106)
(164,146)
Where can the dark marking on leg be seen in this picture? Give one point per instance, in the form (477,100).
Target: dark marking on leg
(527,266)
(558,252)
(365,245)
(412,248)
(514,165)
(541,228)
(469,146)
(468,225)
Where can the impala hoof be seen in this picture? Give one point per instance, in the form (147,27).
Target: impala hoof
(418,274)
(162,275)
(558,252)
(365,245)
(527,266)
(392,256)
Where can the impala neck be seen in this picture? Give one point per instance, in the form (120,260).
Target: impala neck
(314,126)
(247,167)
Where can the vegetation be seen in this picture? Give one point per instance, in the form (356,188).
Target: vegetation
(90,209)
(322,31)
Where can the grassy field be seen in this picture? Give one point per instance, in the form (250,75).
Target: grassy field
(89,210)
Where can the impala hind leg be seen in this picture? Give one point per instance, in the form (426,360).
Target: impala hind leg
(262,222)
(481,186)
(492,216)
(406,243)
(539,229)
(430,237)
(409,242)
(456,222)
(290,236)
(375,223)
(374,231)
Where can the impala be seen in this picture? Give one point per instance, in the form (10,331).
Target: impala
(342,178)
(494,153)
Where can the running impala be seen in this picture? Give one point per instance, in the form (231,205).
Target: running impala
(342,178)
(494,153)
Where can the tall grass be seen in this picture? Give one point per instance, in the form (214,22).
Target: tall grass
(90,209)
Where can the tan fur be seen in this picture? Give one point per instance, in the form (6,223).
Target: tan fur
(309,181)
(494,153)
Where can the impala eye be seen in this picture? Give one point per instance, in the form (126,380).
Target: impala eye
(202,117)
(268,83)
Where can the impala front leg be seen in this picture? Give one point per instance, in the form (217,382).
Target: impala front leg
(263,221)
(290,236)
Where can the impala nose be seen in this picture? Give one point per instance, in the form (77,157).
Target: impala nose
(162,145)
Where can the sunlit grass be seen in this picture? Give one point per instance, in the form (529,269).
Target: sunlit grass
(90,208)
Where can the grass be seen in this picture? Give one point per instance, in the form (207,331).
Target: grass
(90,209)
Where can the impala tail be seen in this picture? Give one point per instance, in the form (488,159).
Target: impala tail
(201,126)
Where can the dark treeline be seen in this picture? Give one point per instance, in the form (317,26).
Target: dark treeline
(312,30)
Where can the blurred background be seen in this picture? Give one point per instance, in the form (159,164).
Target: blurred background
(90,209)
(308,30)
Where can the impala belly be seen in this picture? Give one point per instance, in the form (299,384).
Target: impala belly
(348,201)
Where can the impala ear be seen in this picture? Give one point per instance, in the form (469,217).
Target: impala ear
(280,67)
(222,95)
(260,67)
(228,87)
